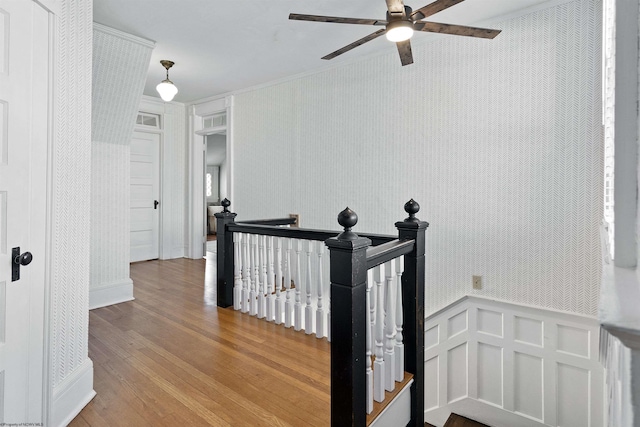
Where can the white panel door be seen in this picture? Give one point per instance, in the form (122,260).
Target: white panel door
(23,201)
(145,196)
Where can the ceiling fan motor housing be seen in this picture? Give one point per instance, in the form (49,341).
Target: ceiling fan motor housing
(397,16)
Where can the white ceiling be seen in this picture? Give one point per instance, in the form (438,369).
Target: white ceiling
(220,46)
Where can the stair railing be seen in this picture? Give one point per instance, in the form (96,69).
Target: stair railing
(273,285)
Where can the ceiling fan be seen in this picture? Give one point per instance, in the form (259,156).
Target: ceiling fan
(400,24)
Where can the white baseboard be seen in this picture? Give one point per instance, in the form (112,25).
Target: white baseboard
(72,394)
(178,252)
(109,294)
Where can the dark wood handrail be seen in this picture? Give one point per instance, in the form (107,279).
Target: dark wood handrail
(299,233)
(380,254)
(273,221)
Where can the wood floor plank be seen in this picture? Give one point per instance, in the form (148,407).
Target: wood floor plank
(171,357)
(456,420)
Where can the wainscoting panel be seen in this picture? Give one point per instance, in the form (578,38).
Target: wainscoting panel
(432,381)
(527,366)
(457,378)
(527,385)
(490,362)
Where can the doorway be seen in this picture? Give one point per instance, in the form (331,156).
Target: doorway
(215,179)
(213,117)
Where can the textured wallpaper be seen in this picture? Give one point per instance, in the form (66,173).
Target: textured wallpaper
(174,180)
(499,141)
(71,179)
(119,71)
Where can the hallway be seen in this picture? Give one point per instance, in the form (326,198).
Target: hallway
(172,357)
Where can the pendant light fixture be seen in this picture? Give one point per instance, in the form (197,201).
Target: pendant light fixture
(166,88)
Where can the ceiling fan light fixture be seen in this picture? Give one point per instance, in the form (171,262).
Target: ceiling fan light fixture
(399,31)
(166,88)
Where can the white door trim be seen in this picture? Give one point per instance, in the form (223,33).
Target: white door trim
(196,208)
(53,7)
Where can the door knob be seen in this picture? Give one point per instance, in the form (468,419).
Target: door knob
(18,260)
(23,259)
(155,204)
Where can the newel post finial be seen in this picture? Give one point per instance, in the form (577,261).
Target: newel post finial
(225,204)
(412,208)
(347,219)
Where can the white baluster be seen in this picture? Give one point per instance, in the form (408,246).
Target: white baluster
(262,270)
(270,280)
(372,305)
(237,272)
(320,285)
(279,304)
(253,292)
(379,369)
(246,269)
(308,309)
(369,345)
(399,315)
(297,323)
(288,304)
(389,329)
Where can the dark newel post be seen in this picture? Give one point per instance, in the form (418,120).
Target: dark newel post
(348,275)
(413,307)
(225,255)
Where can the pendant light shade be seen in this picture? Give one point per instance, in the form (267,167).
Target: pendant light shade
(166,88)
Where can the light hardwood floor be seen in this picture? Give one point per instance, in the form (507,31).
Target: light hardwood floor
(172,358)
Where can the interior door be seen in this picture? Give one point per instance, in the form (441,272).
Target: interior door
(145,196)
(24,69)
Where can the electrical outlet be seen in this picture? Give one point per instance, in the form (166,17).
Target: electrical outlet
(477,282)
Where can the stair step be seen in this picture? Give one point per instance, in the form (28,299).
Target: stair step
(456,420)
(378,407)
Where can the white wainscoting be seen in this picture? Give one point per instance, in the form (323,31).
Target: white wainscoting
(507,364)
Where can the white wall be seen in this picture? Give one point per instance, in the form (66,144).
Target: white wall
(120,64)
(174,180)
(70,370)
(499,141)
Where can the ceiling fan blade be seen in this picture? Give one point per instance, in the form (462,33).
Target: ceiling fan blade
(395,6)
(335,19)
(457,30)
(355,44)
(433,8)
(404,49)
